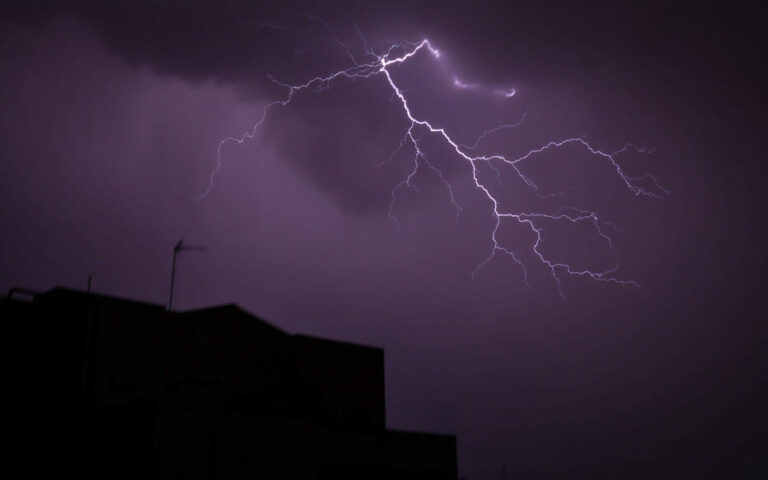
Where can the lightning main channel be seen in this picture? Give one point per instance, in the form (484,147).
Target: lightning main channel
(380,64)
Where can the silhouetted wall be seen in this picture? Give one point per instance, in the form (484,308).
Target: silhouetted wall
(116,388)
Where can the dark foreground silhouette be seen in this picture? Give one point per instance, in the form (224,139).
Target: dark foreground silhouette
(111,388)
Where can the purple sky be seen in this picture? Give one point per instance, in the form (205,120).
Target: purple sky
(110,121)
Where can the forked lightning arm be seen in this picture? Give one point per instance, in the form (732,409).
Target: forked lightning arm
(380,65)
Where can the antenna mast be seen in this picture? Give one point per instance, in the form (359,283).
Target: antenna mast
(178,248)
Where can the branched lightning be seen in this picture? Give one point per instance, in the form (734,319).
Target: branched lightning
(381,65)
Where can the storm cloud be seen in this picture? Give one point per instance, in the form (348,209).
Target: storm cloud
(112,114)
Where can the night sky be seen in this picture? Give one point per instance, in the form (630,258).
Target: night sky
(110,119)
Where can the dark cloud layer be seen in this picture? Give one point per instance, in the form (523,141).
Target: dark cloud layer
(111,114)
(232,40)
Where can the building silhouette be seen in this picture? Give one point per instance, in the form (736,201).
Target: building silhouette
(112,388)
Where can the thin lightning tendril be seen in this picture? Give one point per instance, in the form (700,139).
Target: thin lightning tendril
(400,53)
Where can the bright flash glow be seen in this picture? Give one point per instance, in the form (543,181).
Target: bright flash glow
(459,84)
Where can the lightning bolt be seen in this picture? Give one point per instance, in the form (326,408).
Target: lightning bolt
(381,65)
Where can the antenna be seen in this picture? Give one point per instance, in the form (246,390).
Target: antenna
(178,248)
